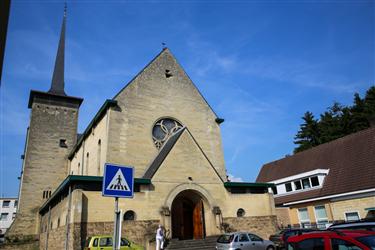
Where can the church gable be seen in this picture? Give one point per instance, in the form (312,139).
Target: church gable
(161,90)
(186,161)
(164,69)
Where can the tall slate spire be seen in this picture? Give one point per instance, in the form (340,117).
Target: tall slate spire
(57,84)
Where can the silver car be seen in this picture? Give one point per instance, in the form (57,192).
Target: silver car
(243,241)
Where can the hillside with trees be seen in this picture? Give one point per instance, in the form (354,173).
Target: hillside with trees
(336,122)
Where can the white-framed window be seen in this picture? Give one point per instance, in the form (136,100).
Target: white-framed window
(321,216)
(304,219)
(352,216)
(6,203)
(3,216)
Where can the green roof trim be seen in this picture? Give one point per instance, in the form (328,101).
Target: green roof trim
(102,111)
(248,184)
(370,209)
(83,178)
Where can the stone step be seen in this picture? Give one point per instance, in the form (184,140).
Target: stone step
(202,244)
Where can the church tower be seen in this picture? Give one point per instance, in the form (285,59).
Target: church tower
(50,137)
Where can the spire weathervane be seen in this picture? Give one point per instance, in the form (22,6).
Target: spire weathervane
(57,84)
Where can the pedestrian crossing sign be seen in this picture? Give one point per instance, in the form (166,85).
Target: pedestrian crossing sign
(118,181)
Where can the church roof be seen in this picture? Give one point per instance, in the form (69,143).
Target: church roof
(57,84)
(102,111)
(56,94)
(350,160)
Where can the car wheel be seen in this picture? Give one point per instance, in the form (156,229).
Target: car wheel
(270,248)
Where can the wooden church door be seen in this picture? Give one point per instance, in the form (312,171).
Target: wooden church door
(198,220)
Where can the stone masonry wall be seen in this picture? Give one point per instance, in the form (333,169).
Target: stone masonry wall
(151,96)
(262,226)
(49,123)
(140,232)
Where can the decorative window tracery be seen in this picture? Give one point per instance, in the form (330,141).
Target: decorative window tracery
(163,129)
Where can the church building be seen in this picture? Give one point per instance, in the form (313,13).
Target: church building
(161,125)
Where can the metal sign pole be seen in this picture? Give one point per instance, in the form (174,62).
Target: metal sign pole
(117,229)
(118,182)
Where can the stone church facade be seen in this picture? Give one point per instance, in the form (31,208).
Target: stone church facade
(160,124)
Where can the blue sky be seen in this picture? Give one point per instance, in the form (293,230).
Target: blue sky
(260,64)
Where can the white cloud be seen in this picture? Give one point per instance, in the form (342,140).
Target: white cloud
(234,179)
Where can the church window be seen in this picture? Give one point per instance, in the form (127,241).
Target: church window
(63,143)
(240,212)
(168,73)
(99,153)
(129,215)
(58,222)
(87,163)
(163,129)
(79,167)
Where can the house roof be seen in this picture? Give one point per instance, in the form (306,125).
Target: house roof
(350,160)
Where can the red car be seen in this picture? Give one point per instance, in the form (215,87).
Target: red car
(333,240)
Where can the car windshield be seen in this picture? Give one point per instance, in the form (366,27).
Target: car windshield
(368,241)
(225,238)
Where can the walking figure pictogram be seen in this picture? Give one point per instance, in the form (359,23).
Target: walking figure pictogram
(119,182)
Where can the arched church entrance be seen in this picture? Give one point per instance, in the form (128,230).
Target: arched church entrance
(188,216)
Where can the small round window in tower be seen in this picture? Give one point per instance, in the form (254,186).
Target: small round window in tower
(163,129)
(240,212)
(129,215)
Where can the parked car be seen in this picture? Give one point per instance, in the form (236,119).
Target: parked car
(368,225)
(243,241)
(105,242)
(333,240)
(281,237)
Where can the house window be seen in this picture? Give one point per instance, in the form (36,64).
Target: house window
(4,216)
(314,181)
(321,216)
(351,216)
(306,183)
(304,218)
(274,190)
(297,185)
(6,203)
(288,187)
(15,203)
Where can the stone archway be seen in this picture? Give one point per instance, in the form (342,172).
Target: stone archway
(192,191)
(187,213)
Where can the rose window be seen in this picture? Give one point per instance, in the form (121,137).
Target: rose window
(163,129)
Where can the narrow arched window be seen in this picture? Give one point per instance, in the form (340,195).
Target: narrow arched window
(99,154)
(79,168)
(87,163)
(129,215)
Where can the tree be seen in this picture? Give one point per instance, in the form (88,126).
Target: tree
(336,122)
(330,124)
(358,119)
(308,135)
(369,105)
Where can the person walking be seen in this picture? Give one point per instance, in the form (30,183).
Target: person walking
(159,238)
